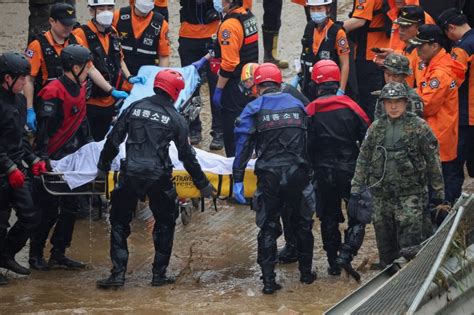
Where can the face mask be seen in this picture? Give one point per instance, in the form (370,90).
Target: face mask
(144,6)
(218,5)
(105,18)
(318,17)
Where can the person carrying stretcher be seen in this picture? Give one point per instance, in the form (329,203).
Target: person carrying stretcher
(151,124)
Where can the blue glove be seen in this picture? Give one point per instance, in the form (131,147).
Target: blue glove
(216,99)
(31,119)
(119,94)
(137,79)
(239,193)
(201,62)
(294,82)
(340,92)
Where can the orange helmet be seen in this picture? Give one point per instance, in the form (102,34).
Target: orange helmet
(170,81)
(247,85)
(267,72)
(325,71)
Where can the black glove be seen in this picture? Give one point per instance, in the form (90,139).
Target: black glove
(208,191)
(353,205)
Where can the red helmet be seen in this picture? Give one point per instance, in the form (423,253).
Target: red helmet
(170,81)
(267,72)
(325,71)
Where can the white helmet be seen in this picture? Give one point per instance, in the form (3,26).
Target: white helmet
(96,3)
(318,2)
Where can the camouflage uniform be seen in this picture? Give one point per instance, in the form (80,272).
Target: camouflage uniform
(399,64)
(398,160)
(38,21)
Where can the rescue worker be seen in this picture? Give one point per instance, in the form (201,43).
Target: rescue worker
(396,68)
(270,32)
(62,129)
(199,23)
(333,153)
(398,160)
(454,24)
(274,125)
(150,124)
(102,40)
(288,253)
(161,7)
(144,35)
(438,77)
(369,27)
(323,39)
(44,52)
(38,22)
(14,149)
(401,13)
(410,18)
(238,45)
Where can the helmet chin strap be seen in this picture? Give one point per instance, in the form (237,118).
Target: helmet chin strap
(76,76)
(10,86)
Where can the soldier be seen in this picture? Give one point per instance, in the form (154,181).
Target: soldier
(397,69)
(398,160)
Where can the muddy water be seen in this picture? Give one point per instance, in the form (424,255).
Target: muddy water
(214,260)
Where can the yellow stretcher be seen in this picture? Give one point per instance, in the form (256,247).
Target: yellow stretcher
(55,185)
(186,189)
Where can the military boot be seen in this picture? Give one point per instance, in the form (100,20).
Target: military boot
(115,280)
(287,254)
(59,261)
(38,263)
(269,283)
(3,280)
(270,44)
(10,263)
(333,269)
(160,278)
(217,142)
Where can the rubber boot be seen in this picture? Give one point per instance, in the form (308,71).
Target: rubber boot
(270,45)
(305,263)
(3,280)
(11,264)
(115,280)
(287,254)
(160,278)
(269,283)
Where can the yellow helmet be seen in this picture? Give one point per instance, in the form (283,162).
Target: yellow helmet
(247,85)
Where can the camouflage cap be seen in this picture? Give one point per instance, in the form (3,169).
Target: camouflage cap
(394,90)
(397,64)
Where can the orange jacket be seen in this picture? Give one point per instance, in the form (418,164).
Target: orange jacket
(105,41)
(438,87)
(34,53)
(300,2)
(247,4)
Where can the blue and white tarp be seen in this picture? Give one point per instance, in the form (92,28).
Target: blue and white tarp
(191,76)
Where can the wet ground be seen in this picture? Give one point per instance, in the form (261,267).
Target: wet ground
(214,257)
